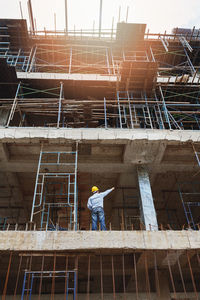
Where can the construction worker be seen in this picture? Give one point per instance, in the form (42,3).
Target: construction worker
(95,204)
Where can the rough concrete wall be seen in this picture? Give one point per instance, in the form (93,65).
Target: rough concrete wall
(90,240)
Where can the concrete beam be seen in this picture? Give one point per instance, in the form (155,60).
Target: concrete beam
(173,79)
(94,168)
(100,135)
(147,208)
(62,76)
(90,240)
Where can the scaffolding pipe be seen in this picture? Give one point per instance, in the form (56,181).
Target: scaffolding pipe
(60,104)
(14,105)
(105,116)
(127,14)
(165,108)
(100,17)
(20,6)
(66,18)
(30,10)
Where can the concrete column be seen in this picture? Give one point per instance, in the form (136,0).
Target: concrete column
(147,208)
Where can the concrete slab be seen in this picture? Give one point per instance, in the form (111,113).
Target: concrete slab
(64,76)
(178,239)
(194,239)
(114,135)
(95,241)
(155,240)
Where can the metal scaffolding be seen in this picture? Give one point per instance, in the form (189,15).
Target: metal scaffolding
(105,275)
(189,193)
(55,194)
(31,276)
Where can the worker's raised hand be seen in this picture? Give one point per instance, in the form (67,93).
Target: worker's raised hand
(113,188)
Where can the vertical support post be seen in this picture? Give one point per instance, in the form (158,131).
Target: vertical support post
(32,60)
(53,278)
(40,284)
(7,276)
(130,111)
(31,16)
(70,61)
(107,60)
(124,281)
(17,279)
(147,276)
(100,17)
(55,22)
(157,283)
(105,115)
(67,285)
(35,190)
(88,282)
(66,18)
(136,277)
(192,277)
(165,108)
(181,274)
(113,277)
(148,212)
(30,292)
(23,288)
(26,64)
(60,104)
(20,6)
(75,189)
(66,277)
(101,274)
(13,106)
(171,276)
(75,287)
(76,279)
(119,110)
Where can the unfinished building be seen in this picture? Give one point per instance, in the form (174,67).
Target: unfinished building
(77,109)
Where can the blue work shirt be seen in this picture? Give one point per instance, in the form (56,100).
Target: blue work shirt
(96,200)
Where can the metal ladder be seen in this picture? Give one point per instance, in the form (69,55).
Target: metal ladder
(26,290)
(39,199)
(147,116)
(45,216)
(185,43)
(188,213)
(4,42)
(121,111)
(188,204)
(127,112)
(73,288)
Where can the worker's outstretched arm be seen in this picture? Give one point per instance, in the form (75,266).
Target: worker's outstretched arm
(107,192)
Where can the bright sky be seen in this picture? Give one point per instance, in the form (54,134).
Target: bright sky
(159,15)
